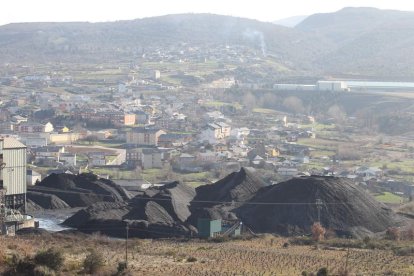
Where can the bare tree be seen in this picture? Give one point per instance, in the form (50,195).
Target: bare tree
(269,100)
(249,100)
(318,231)
(393,233)
(294,104)
(337,113)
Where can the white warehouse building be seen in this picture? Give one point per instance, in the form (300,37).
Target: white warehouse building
(295,87)
(320,86)
(331,86)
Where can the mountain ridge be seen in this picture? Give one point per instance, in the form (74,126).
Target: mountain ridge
(364,42)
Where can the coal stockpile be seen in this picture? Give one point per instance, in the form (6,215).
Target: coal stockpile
(217,200)
(46,201)
(237,186)
(291,208)
(158,212)
(287,208)
(58,190)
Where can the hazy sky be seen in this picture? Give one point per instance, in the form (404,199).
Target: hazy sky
(111,10)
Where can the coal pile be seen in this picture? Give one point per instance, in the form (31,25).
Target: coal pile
(217,200)
(65,190)
(237,186)
(287,208)
(46,201)
(290,208)
(158,212)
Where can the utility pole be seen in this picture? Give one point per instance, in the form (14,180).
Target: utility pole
(126,246)
(2,202)
(319,207)
(346,262)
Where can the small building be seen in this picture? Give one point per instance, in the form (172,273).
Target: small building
(220,147)
(33,177)
(287,171)
(208,228)
(151,158)
(68,158)
(215,132)
(144,136)
(157,74)
(34,141)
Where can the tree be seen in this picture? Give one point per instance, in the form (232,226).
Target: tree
(410,233)
(337,113)
(294,104)
(249,100)
(91,139)
(318,231)
(393,233)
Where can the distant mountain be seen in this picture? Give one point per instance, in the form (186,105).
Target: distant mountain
(347,24)
(125,40)
(353,42)
(368,42)
(290,21)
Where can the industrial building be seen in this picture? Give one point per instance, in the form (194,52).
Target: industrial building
(336,86)
(13,174)
(209,228)
(331,86)
(13,187)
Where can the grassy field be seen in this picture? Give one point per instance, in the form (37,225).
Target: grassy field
(218,104)
(116,173)
(265,255)
(264,111)
(389,198)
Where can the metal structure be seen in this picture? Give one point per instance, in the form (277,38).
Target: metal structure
(13,173)
(13,187)
(2,199)
(2,210)
(319,204)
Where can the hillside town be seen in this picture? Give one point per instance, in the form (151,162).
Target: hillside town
(196,143)
(145,129)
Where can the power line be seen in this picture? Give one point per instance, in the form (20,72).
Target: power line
(195,201)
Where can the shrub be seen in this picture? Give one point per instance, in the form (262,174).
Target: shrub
(18,265)
(51,258)
(219,239)
(301,241)
(410,233)
(43,271)
(404,251)
(122,266)
(393,233)
(318,231)
(330,234)
(93,262)
(322,272)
